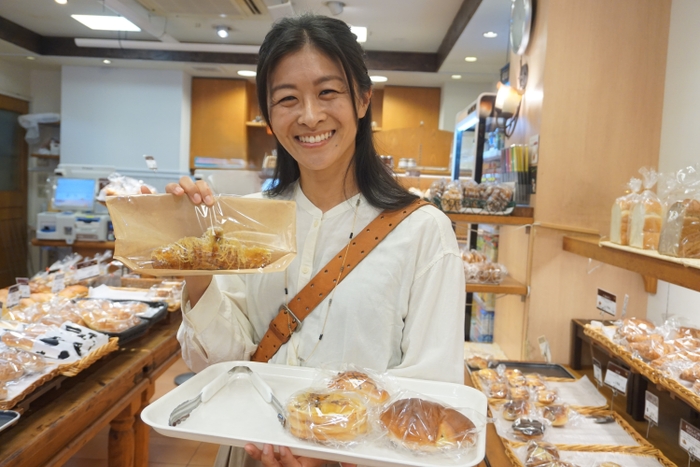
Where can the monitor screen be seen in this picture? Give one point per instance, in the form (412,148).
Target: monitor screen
(74,194)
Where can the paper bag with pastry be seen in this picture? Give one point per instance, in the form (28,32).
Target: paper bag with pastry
(168,235)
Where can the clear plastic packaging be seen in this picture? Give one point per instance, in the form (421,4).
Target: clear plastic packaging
(528,428)
(633,329)
(168,235)
(620,215)
(119,185)
(680,235)
(374,388)
(111,317)
(452,197)
(646,216)
(540,453)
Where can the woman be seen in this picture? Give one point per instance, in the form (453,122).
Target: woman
(402,309)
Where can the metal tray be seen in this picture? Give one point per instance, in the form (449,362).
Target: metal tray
(553,370)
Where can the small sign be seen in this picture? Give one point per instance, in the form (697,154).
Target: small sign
(607,302)
(616,378)
(544,349)
(651,407)
(150,162)
(13,296)
(24,290)
(58,283)
(689,438)
(597,371)
(87,269)
(624,306)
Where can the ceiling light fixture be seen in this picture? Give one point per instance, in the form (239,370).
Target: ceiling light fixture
(335,7)
(29,57)
(378,79)
(61,2)
(456,76)
(469,59)
(247,73)
(156,45)
(106,61)
(360,32)
(222,31)
(106,23)
(490,35)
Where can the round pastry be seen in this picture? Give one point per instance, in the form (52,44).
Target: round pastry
(515,408)
(539,452)
(18,340)
(488,374)
(422,425)
(498,391)
(525,428)
(336,416)
(133,307)
(510,372)
(519,393)
(477,361)
(557,414)
(534,382)
(546,397)
(691,374)
(10,370)
(360,383)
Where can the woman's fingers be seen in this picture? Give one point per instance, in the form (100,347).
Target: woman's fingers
(145,190)
(205,192)
(258,454)
(174,188)
(198,192)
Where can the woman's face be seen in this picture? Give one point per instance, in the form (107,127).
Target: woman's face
(312,114)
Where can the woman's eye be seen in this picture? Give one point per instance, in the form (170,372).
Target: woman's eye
(285,100)
(328,92)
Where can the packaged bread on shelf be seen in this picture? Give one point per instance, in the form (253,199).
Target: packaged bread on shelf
(168,235)
(620,215)
(646,215)
(452,197)
(680,235)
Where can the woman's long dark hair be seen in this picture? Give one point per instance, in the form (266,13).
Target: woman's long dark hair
(333,38)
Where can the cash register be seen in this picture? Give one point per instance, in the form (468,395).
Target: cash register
(73,218)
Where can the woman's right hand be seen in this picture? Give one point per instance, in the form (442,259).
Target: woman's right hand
(198,191)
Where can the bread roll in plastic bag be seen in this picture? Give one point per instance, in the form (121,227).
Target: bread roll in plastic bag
(646,216)
(620,215)
(680,235)
(168,235)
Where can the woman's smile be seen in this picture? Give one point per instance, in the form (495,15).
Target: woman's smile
(315,139)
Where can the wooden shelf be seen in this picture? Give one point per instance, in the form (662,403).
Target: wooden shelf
(508,286)
(650,268)
(47,156)
(521,216)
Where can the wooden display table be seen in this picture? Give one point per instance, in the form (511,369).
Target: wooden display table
(85,249)
(113,391)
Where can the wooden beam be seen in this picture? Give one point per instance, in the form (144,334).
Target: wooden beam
(459,23)
(401,61)
(19,35)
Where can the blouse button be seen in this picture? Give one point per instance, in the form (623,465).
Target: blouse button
(305,270)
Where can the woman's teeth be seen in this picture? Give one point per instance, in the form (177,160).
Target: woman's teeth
(315,139)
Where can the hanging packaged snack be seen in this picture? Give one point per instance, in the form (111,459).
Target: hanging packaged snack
(620,216)
(646,215)
(166,235)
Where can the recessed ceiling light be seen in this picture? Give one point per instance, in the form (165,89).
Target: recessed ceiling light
(469,59)
(106,23)
(222,31)
(490,35)
(378,79)
(106,61)
(360,32)
(29,57)
(61,2)
(247,73)
(456,76)
(222,15)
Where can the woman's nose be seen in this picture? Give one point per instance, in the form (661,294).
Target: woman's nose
(312,113)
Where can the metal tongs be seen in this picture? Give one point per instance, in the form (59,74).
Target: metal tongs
(182,411)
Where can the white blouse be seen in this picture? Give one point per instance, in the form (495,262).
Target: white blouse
(400,310)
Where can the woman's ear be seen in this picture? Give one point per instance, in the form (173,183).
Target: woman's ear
(363,104)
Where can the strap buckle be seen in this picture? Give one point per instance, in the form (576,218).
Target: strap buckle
(286,309)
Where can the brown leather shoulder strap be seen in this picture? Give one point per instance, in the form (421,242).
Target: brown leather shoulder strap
(290,316)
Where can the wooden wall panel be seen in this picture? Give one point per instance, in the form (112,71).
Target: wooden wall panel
(219,113)
(430,147)
(407,107)
(378,106)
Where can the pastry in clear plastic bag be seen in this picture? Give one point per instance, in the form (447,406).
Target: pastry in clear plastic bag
(620,215)
(528,428)
(488,374)
(10,370)
(327,417)
(470,194)
(680,234)
(634,329)
(424,426)
(540,452)
(360,383)
(497,197)
(557,415)
(452,197)
(546,397)
(652,347)
(646,216)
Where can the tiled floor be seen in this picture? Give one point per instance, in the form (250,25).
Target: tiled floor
(163,451)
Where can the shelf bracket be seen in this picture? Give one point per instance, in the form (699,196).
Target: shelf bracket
(650,284)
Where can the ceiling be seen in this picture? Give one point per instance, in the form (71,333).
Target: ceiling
(405,37)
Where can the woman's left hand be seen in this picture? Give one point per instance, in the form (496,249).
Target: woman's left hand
(285,458)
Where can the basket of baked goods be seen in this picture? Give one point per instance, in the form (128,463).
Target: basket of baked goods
(167,235)
(340,413)
(470,197)
(125,319)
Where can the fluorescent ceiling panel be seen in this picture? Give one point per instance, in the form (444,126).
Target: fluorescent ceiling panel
(106,23)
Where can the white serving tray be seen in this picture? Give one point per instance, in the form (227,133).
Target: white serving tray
(238,415)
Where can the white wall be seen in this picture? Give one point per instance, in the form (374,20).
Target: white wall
(45,88)
(14,80)
(112,117)
(680,138)
(455,97)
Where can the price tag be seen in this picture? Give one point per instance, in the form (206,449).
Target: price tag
(544,349)
(607,302)
(651,407)
(150,162)
(13,296)
(616,378)
(58,284)
(689,438)
(624,306)
(86,269)
(24,290)
(597,371)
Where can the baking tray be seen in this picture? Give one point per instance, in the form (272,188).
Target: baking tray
(551,370)
(237,415)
